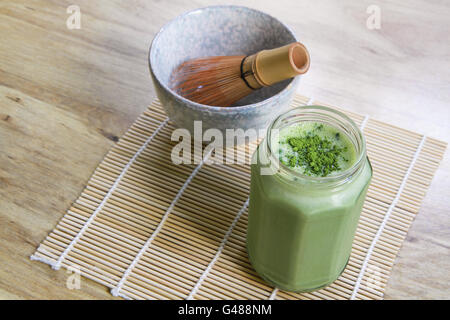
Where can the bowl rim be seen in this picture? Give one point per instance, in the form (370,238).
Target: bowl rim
(219,109)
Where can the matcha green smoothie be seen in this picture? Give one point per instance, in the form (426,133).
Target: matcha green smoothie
(303,215)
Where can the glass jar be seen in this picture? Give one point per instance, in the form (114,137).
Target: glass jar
(301,228)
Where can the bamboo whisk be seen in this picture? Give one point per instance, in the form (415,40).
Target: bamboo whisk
(223,80)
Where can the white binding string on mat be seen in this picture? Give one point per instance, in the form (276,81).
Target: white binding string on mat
(61,258)
(363,123)
(386,218)
(361,127)
(115,291)
(219,251)
(273,295)
(41,259)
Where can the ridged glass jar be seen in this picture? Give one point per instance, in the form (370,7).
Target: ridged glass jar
(301,228)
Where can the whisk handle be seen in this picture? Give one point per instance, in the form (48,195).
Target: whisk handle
(268,67)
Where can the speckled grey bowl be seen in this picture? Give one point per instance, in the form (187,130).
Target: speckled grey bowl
(214,31)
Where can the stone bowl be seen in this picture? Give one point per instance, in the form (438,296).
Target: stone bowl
(215,31)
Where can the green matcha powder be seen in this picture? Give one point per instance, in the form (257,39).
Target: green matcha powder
(315,149)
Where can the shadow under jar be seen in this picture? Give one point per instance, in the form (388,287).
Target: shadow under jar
(301,227)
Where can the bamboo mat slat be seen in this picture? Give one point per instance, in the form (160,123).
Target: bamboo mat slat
(149,229)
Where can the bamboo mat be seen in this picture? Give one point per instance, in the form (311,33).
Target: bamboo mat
(149,229)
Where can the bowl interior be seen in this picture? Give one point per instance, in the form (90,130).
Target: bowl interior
(216,31)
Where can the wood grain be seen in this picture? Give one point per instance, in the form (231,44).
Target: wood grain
(66,95)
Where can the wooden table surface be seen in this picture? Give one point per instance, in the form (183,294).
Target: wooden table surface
(67,95)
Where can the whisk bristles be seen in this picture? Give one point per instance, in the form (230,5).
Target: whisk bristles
(212,81)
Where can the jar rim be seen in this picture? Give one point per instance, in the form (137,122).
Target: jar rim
(339,177)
